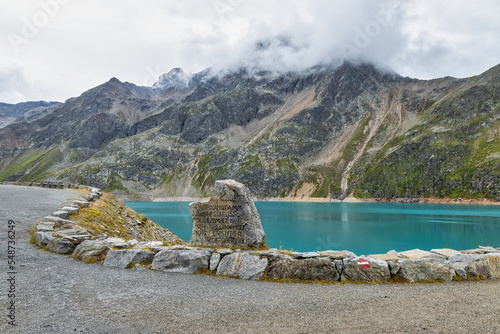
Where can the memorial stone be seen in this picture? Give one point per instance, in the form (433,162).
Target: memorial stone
(228,219)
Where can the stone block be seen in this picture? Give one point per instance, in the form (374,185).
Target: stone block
(365,269)
(43,238)
(90,251)
(181,261)
(426,269)
(124,258)
(242,265)
(61,246)
(317,269)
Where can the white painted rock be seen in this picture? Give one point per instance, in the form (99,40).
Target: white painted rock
(365,269)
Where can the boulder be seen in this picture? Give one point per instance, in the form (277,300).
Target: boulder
(43,238)
(242,265)
(365,269)
(225,251)
(214,261)
(181,261)
(426,269)
(488,265)
(90,251)
(148,244)
(124,258)
(45,226)
(446,252)
(61,246)
(337,255)
(317,269)
(115,243)
(305,255)
(72,210)
(464,262)
(414,254)
(394,267)
(81,203)
(61,214)
(228,219)
(385,257)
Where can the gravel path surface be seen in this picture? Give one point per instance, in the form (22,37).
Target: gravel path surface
(56,294)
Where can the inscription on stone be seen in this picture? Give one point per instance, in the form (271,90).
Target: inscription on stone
(229,219)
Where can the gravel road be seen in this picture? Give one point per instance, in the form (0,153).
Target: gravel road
(56,294)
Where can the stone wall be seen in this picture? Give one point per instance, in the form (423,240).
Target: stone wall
(63,236)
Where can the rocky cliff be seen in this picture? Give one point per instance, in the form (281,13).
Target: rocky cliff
(328,131)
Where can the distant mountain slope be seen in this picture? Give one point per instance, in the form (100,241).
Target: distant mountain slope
(328,131)
(10,112)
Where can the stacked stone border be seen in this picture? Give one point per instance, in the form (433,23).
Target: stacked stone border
(61,235)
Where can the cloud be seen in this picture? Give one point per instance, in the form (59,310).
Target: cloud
(69,46)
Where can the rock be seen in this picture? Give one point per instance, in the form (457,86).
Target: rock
(61,246)
(337,255)
(488,265)
(90,251)
(465,262)
(81,203)
(124,258)
(45,226)
(426,269)
(394,267)
(225,251)
(214,261)
(180,261)
(115,243)
(385,257)
(43,238)
(242,265)
(414,254)
(481,250)
(71,210)
(446,252)
(148,244)
(57,220)
(270,254)
(132,242)
(317,269)
(305,255)
(365,269)
(61,214)
(228,219)
(460,269)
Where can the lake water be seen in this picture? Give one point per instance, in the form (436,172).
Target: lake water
(363,228)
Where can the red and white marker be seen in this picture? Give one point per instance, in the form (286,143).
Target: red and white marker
(363,263)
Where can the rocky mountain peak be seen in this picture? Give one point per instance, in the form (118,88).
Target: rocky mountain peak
(176,78)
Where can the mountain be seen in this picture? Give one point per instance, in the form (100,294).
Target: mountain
(10,112)
(328,131)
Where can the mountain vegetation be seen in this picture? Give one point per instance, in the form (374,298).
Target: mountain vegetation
(330,131)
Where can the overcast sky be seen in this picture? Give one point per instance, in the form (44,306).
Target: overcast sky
(56,49)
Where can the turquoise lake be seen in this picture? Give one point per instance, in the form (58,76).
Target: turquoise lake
(363,228)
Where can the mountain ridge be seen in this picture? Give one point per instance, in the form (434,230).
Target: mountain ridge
(326,132)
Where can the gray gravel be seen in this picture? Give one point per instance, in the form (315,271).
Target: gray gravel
(56,294)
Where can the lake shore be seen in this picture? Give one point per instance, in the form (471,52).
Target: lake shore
(349,199)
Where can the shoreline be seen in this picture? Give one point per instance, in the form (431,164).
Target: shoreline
(350,199)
